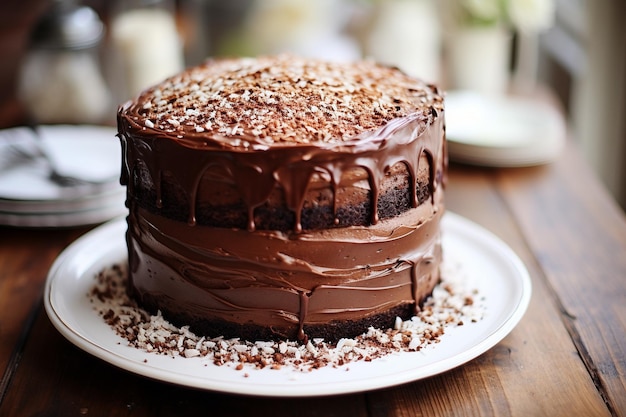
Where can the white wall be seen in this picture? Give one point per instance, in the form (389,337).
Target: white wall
(599,94)
(588,42)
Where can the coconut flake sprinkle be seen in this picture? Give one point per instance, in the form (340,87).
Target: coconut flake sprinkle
(285,99)
(450,305)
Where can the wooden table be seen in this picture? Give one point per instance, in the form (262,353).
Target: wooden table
(566,357)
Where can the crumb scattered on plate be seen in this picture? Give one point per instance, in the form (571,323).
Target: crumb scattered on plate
(451,304)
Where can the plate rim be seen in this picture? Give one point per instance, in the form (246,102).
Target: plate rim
(451,220)
(70,219)
(59,133)
(81,206)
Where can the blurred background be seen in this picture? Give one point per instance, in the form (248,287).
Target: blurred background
(76,61)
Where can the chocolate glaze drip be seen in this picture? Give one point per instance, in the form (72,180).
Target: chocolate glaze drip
(304,308)
(289,168)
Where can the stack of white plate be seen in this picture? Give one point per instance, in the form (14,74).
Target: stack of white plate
(502,131)
(28,198)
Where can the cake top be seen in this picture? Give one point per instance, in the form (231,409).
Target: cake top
(282,100)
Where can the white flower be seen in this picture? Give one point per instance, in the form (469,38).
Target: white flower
(524,15)
(483,10)
(531,15)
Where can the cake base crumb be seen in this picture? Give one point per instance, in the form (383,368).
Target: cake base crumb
(450,305)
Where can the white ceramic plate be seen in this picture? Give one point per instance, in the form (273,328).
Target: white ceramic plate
(87,210)
(89,152)
(502,131)
(490,265)
(29,199)
(100,214)
(88,202)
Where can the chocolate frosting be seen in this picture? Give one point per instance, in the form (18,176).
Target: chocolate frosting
(283,279)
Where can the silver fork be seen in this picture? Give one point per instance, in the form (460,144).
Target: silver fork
(36,149)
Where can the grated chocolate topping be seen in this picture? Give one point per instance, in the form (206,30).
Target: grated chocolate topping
(284,99)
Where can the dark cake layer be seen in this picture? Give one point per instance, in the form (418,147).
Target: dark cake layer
(330,332)
(220,205)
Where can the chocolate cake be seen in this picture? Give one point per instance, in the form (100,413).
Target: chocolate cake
(281,197)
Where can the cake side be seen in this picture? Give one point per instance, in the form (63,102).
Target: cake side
(286,286)
(249,219)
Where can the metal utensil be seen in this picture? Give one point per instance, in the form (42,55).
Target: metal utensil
(29,146)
